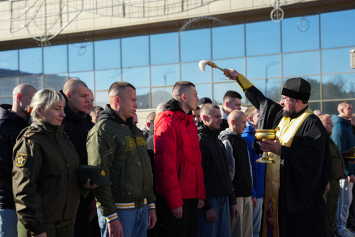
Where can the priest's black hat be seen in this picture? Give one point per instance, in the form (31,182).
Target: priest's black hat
(297,88)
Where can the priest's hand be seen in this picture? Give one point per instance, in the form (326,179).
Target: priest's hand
(253,201)
(231,74)
(270,146)
(351,178)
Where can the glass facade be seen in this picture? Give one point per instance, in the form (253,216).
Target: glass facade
(315,47)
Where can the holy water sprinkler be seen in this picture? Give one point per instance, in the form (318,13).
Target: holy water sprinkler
(202,64)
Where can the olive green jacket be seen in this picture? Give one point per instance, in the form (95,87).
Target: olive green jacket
(45,181)
(338,164)
(119,148)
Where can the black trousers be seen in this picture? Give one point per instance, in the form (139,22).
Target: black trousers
(351,218)
(82,227)
(169,226)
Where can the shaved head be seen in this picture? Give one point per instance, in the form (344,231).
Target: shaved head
(237,121)
(21,98)
(23,88)
(72,85)
(150,117)
(119,89)
(345,110)
(234,115)
(318,112)
(181,87)
(327,122)
(207,108)
(343,105)
(160,108)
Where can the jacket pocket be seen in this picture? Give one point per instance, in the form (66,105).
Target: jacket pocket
(117,178)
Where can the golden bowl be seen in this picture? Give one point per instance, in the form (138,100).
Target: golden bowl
(267,134)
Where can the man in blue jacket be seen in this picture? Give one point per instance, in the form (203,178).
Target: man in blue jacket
(258,169)
(344,138)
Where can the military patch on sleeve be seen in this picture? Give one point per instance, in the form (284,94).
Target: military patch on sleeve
(21,159)
(28,134)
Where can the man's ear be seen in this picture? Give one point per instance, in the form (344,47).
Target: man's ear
(148,125)
(68,96)
(204,117)
(19,96)
(117,101)
(227,104)
(183,97)
(232,122)
(250,119)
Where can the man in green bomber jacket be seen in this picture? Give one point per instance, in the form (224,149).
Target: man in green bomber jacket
(115,144)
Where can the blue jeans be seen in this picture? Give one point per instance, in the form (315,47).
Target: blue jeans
(221,227)
(8,223)
(134,222)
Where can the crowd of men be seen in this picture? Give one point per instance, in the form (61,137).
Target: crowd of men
(193,169)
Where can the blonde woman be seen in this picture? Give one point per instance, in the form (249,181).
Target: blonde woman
(45,183)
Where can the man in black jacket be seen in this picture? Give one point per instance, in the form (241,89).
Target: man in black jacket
(240,171)
(13,119)
(232,100)
(214,217)
(77,126)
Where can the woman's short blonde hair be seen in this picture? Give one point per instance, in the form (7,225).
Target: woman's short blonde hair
(44,99)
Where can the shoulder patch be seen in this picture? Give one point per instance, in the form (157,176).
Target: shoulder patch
(21,159)
(28,134)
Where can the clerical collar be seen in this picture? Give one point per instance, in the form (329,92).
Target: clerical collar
(299,113)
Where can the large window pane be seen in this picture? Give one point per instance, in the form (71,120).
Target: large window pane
(35,81)
(30,61)
(204,90)
(263,38)
(271,88)
(300,33)
(191,72)
(219,89)
(7,85)
(138,77)
(105,78)
(264,67)
(8,63)
(107,54)
(143,98)
(338,86)
(55,81)
(195,45)
(55,59)
(135,51)
(6,100)
(314,105)
(331,107)
(296,64)
(315,86)
(101,98)
(237,63)
(164,48)
(87,77)
(164,75)
(336,29)
(160,95)
(81,57)
(336,60)
(228,47)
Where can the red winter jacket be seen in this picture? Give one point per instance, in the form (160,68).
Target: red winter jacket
(177,158)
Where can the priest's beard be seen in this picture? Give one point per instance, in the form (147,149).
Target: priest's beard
(289,113)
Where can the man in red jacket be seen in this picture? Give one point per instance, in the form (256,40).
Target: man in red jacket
(180,184)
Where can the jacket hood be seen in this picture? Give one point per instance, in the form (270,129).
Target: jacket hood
(109,113)
(203,130)
(337,119)
(7,114)
(173,105)
(249,129)
(151,128)
(71,114)
(227,132)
